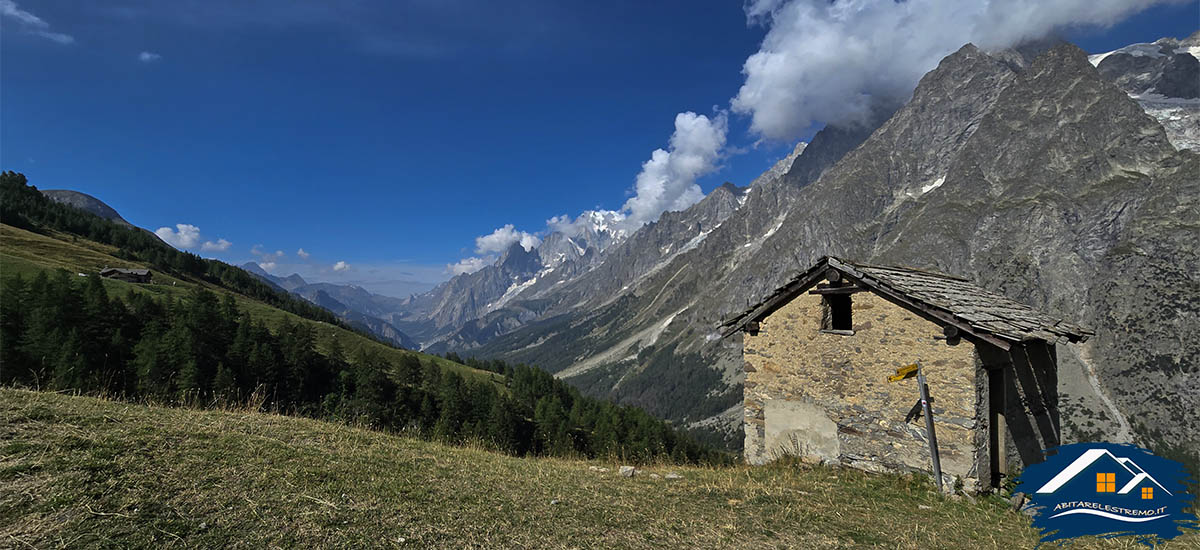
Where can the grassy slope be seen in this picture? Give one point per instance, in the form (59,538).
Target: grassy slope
(27,253)
(81,472)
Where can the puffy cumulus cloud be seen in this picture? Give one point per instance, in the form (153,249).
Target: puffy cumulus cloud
(833,62)
(31,23)
(185,235)
(667,181)
(221,245)
(341,266)
(302,254)
(268,266)
(503,238)
(469,265)
(148,57)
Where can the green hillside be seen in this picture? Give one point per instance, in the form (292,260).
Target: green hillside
(79,472)
(27,253)
(204,333)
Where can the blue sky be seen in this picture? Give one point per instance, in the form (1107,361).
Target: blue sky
(390,135)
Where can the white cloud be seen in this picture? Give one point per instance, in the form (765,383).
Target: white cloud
(220,246)
(503,238)
(667,181)
(341,266)
(302,254)
(496,242)
(148,57)
(265,256)
(185,235)
(602,220)
(833,62)
(32,24)
(267,266)
(469,265)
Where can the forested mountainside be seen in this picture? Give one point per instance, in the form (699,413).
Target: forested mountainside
(194,337)
(1027,171)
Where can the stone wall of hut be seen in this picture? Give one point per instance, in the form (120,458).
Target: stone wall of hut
(826,398)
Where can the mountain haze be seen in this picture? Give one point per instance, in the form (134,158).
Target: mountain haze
(352,304)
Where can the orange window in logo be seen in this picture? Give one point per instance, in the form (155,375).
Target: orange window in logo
(1147,493)
(1106,483)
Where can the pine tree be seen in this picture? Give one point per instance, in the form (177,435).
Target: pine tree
(225,385)
(453,401)
(13,308)
(150,362)
(70,370)
(504,427)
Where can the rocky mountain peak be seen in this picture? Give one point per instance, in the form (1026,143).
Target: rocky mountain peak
(1164,78)
(723,200)
(781,167)
(293,281)
(518,260)
(1166,67)
(1077,115)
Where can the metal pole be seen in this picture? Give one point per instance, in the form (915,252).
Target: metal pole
(933,448)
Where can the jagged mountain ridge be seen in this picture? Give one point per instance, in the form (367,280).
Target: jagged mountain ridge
(1164,77)
(471,308)
(929,189)
(652,247)
(780,168)
(554,291)
(430,316)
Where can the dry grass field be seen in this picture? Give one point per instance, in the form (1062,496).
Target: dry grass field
(81,472)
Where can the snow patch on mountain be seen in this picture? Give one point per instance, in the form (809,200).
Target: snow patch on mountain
(1180,117)
(934,185)
(516,288)
(1161,82)
(1136,50)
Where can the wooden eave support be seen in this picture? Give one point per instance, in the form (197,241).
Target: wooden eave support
(837,290)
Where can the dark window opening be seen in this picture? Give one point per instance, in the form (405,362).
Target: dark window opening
(836,312)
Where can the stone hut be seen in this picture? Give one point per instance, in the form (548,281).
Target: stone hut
(818,352)
(128,275)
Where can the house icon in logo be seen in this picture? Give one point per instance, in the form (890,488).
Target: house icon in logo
(1107,466)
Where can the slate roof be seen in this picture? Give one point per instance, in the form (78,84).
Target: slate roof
(141,272)
(944,299)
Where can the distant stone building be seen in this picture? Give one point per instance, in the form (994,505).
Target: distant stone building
(818,352)
(128,275)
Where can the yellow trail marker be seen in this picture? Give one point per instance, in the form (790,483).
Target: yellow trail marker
(903,373)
